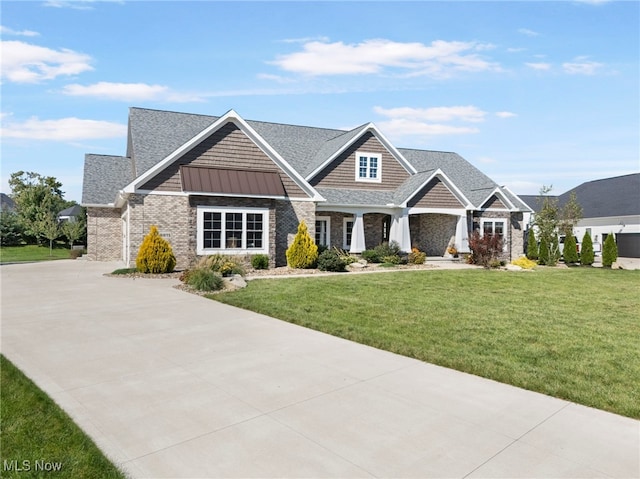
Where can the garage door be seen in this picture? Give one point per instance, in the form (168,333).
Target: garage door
(628,245)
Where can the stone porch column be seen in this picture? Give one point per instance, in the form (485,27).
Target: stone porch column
(357,234)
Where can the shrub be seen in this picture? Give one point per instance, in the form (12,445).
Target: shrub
(417,257)
(329,260)
(219,263)
(524,262)
(303,252)
(75,253)
(125,271)
(11,229)
(485,250)
(587,256)
(392,259)
(532,245)
(554,251)
(345,256)
(388,249)
(543,253)
(203,279)
(155,254)
(609,251)
(371,256)
(260,261)
(570,250)
(184,276)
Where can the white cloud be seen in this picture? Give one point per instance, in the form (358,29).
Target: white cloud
(129,92)
(21,33)
(400,127)
(527,32)
(27,63)
(439,59)
(64,129)
(505,114)
(436,114)
(539,66)
(276,78)
(487,160)
(581,66)
(304,40)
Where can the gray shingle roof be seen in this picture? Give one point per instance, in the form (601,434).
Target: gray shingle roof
(155,134)
(357,197)
(6,203)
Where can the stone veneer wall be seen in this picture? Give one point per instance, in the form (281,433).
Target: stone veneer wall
(288,215)
(515,240)
(432,233)
(104,234)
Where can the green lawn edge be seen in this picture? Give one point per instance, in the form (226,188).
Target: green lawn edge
(38,439)
(32,253)
(569,333)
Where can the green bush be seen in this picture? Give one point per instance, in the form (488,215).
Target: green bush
(570,250)
(391,259)
(345,255)
(532,245)
(303,252)
(329,260)
(387,249)
(587,255)
(155,254)
(204,279)
(260,261)
(11,229)
(543,253)
(609,251)
(371,256)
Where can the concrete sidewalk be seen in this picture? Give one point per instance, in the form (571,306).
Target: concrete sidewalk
(174,385)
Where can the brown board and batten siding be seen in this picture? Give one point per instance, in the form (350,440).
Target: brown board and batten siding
(494,203)
(341,172)
(227,148)
(434,194)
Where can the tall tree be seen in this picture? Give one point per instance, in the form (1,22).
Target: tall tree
(609,251)
(587,255)
(74,229)
(570,214)
(546,220)
(570,250)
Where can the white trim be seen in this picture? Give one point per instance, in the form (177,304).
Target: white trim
(496,191)
(369,157)
(230,117)
(528,210)
(505,233)
(381,138)
(345,220)
(201,250)
(450,185)
(326,219)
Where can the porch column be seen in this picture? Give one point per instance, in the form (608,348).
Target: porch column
(357,234)
(462,234)
(400,232)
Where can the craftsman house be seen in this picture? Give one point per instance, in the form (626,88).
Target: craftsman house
(233,186)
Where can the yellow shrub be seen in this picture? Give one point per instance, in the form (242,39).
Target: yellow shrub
(524,263)
(155,254)
(303,252)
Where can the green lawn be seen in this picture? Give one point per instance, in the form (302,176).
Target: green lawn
(569,333)
(37,434)
(26,253)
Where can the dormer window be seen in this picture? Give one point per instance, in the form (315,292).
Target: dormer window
(368,167)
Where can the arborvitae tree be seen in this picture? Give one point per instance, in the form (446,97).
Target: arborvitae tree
(543,254)
(303,252)
(587,256)
(570,251)
(155,254)
(609,251)
(554,251)
(532,245)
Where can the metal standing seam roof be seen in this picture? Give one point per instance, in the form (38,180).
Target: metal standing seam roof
(155,134)
(229,181)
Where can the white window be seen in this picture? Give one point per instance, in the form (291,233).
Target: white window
(323,230)
(232,230)
(495,226)
(347,231)
(368,167)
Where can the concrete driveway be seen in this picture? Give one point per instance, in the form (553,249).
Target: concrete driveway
(169,384)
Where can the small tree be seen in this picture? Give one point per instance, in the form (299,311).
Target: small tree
(570,251)
(532,245)
(570,214)
(303,252)
(49,228)
(554,251)
(609,251)
(543,255)
(155,254)
(74,229)
(587,256)
(10,229)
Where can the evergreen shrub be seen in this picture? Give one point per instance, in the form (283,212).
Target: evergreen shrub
(303,252)
(260,261)
(155,254)
(532,245)
(609,251)
(543,253)
(587,255)
(570,250)
(329,260)
(371,256)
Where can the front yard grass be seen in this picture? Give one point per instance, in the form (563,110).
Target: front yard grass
(28,253)
(38,439)
(573,334)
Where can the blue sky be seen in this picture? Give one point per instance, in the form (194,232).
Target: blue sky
(531,93)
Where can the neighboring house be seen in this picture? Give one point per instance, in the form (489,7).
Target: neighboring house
(70,214)
(6,203)
(231,186)
(609,205)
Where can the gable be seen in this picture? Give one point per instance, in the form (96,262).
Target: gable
(435,194)
(340,173)
(227,148)
(494,203)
